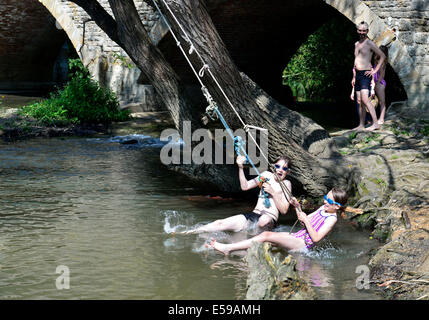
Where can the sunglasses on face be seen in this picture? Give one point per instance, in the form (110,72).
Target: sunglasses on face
(330,201)
(286,169)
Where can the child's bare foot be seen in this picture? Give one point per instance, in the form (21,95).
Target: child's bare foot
(218,246)
(380,121)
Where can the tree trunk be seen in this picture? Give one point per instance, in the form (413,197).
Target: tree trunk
(315,161)
(128,31)
(316,164)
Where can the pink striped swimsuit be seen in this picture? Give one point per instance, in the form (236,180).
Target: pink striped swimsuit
(316,222)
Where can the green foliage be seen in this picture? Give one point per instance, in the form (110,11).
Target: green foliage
(425,130)
(352,135)
(123,60)
(322,66)
(371,137)
(82,100)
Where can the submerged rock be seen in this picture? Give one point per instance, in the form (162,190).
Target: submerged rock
(271,278)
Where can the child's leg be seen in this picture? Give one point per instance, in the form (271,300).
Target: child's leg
(235,223)
(282,239)
(366,102)
(380,91)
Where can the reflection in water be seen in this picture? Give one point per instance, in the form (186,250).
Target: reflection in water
(111,213)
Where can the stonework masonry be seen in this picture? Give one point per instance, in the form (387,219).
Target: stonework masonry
(24,59)
(400,24)
(404,27)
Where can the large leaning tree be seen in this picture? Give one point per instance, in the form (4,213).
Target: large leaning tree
(317,165)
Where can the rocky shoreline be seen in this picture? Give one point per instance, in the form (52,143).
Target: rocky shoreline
(14,126)
(393,195)
(392,200)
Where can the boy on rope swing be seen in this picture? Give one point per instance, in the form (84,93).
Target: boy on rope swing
(271,200)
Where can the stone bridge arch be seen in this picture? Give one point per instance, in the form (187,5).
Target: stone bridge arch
(408,44)
(106,61)
(403,27)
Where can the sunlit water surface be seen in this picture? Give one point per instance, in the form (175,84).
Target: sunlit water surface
(107,212)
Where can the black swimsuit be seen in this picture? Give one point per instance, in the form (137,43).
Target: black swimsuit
(254,217)
(362,81)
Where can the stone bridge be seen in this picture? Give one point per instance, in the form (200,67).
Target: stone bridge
(260,35)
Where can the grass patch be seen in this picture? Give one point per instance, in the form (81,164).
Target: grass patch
(352,135)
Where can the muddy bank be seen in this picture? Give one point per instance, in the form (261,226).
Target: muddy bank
(14,126)
(393,193)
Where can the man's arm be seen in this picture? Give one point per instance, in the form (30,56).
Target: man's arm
(380,53)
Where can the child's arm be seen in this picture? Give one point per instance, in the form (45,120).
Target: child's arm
(316,236)
(373,86)
(244,183)
(280,200)
(352,95)
(382,73)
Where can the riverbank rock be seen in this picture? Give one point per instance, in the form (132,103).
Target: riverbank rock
(14,126)
(273,278)
(393,193)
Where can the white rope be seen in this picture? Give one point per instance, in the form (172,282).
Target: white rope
(206,93)
(209,71)
(204,67)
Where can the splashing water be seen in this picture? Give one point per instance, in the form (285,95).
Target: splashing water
(177,221)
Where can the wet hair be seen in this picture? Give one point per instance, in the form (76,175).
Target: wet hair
(364,24)
(340,196)
(284,158)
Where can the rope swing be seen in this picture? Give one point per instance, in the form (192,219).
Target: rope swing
(212,111)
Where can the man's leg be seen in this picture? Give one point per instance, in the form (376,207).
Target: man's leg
(361,112)
(366,102)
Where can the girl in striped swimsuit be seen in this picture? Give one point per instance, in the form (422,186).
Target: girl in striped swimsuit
(316,226)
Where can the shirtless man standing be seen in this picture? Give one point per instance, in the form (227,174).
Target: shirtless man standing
(364,49)
(266,217)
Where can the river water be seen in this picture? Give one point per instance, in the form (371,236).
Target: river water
(106,212)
